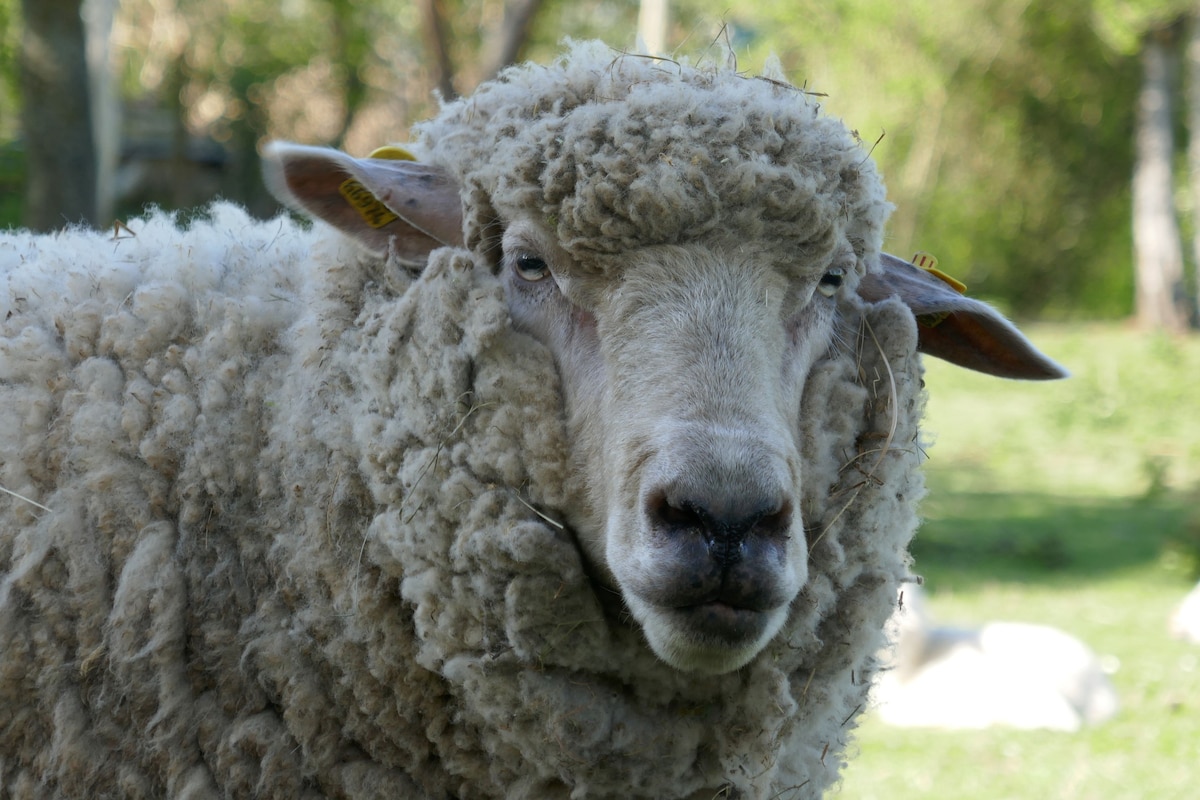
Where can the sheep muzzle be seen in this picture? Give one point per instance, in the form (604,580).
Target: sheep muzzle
(714,558)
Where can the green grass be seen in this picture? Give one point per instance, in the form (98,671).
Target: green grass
(1074,504)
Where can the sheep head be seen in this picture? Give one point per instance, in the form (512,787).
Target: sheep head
(687,245)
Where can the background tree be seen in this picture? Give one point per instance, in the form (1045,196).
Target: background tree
(1005,135)
(56,123)
(1153,31)
(1192,102)
(1158,246)
(349,74)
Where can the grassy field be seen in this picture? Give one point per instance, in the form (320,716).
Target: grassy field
(1074,504)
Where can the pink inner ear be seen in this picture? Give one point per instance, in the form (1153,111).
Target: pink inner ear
(423,195)
(958,329)
(424,200)
(985,342)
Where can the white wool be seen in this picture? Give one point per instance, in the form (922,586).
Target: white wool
(287,518)
(303,538)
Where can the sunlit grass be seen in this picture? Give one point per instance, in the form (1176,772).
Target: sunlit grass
(1124,424)
(1074,505)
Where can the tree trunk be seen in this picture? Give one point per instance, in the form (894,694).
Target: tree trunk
(104,101)
(652,26)
(350,49)
(437,47)
(504,45)
(1192,98)
(56,121)
(1158,249)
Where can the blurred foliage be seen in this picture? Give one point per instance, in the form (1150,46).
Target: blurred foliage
(10,37)
(12,172)
(1122,23)
(312,64)
(1007,130)
(1004,127)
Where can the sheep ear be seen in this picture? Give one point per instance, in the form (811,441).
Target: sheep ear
(958,329)
(380,202)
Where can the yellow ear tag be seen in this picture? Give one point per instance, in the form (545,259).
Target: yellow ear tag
(392,153)
(928,262)
(373,212)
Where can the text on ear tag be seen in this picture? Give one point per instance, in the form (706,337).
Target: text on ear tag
(373,212)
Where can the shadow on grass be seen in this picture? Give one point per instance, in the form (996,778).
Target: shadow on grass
(969,538)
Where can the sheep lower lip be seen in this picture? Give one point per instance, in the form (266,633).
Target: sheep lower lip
(721,621)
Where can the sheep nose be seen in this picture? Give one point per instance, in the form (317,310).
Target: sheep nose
(719,534)
(730,521)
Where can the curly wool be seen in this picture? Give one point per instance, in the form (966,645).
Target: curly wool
(620,152)
(295,532)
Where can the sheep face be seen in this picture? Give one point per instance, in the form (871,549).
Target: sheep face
(686,278)
(682,377)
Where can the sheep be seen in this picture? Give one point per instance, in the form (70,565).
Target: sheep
(1185,619)
(577,457)
(1013,674)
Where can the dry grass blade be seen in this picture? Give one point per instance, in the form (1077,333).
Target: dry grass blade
(550,521)
(420,477)
(883,450)
(33,503)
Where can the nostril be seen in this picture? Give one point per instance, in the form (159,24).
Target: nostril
(724,521)
(776,522)
(681,515)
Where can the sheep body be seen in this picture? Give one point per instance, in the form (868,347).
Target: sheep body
(240,584)
(286,519)
(1185,620)
(1013,674)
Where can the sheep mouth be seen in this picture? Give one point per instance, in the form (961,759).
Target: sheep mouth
(719,623)
(708,634)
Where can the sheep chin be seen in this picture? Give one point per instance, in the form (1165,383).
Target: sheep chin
(683,639)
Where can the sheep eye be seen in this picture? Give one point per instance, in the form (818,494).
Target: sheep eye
(831,281)
(530,267)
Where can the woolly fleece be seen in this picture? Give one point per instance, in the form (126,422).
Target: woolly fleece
(618,152)
(285,541)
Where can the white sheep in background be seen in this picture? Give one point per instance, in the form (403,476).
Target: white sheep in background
(1011,674)
(584,466)
(1185,620)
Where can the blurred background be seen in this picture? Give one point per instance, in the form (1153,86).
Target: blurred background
(1048,153)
